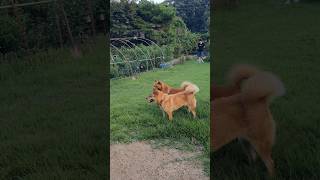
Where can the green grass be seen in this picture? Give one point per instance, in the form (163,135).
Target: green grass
(53,117)
(133,119)
(285,40)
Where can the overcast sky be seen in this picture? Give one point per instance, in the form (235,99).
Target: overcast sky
(157,1)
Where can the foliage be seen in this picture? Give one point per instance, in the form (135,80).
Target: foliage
(156,21)
(157,14)
(38,24)
(53,116)
(129,61)
(9,35)
(176,44)
(195,13)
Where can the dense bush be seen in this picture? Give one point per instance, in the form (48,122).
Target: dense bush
(195,13)
(158,22)
(39,23)
(128,61)
(159,14)
(9,35)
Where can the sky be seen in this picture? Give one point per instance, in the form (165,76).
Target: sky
(157,1)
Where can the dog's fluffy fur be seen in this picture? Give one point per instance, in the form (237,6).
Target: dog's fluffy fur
(235,77)
(171,102)
(161,86)
(246,114)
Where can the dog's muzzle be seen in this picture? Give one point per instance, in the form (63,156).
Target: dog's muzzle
(149,99)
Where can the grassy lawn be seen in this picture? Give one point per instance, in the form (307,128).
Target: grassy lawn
(53,117)
(133,119)
(285,40)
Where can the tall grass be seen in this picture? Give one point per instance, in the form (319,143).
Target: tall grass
(53,116)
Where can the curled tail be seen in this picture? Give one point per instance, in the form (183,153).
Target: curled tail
(190,87)
(262,85)
(240,72)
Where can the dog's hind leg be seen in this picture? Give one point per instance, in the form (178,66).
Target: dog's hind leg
(192,109)
(194,113)
(253,153)
(170,115)
(264,149)
(192,106)
(248,149)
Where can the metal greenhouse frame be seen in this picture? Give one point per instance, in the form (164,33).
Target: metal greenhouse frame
(133,55)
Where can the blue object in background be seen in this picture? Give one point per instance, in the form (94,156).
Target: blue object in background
(204,53)
(164,65)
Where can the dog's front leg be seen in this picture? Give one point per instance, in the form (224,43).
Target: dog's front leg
(163,114)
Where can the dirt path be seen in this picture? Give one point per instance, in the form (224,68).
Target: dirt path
(139,161)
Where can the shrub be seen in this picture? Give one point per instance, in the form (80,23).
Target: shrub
(9,34)
(137,59)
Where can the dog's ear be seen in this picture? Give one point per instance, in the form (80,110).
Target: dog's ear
(155,91)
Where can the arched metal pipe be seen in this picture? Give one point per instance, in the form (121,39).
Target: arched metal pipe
(126,44)
(126,60)
(156,45)
(143,40)
(151,56)
(136,47)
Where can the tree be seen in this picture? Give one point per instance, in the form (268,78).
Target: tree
(40,26)
(9,34)
(195,13)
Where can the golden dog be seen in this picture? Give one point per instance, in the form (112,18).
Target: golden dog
(171,102)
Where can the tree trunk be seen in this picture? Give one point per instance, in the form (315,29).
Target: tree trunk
(58,25)
(90,13)
(76,50)
(22,27)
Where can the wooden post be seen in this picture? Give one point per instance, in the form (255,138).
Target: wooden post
(19,22)
(90,13)
(104,23)
(58,25)
(76,50)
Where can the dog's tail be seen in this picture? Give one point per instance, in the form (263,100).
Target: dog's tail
(190,87)
(240,72)
(184,84)
(262,85)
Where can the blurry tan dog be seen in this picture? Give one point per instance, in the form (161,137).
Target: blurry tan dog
(172,102)
(235,77)
(246,114)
